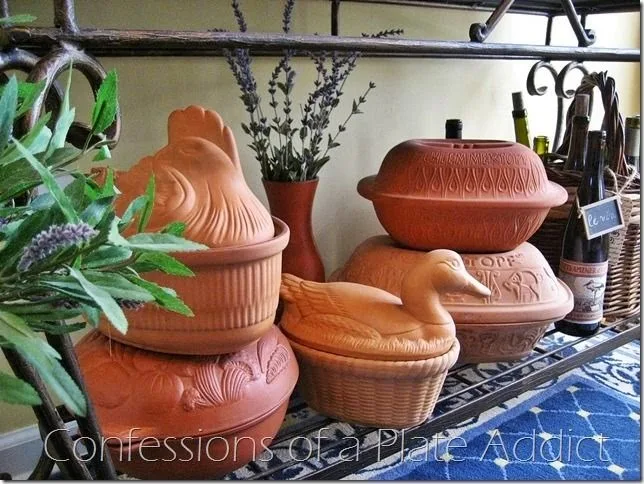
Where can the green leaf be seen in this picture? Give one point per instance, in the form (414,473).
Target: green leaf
(106,104)
(56,328)
(13,390)
(174,228)
(61,157)
(149,205)
(44,358)
(95,211)
(108,305)
(108,189)
(36,140)
(106,256)
(132,210)
(102,154)
(21,18)
(151,261)
(92,314)
(162,296)
(65,119)
(28,92)
(162,243)
(118,286)
(50,183)
(8,105)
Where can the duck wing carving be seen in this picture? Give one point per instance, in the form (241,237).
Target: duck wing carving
(311,297)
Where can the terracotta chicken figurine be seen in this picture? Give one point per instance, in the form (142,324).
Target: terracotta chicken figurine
(364,322)
(199,181)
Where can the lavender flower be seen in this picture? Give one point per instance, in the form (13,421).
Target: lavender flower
(287,152)
(52,240)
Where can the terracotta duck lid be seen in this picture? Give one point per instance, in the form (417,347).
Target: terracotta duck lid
(199,181)
(464,170)
(369,323)
(165,395)
(522,285)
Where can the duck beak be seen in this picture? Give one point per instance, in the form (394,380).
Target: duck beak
(474,287)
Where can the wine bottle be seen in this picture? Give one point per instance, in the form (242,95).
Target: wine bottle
(632,142)
(578,134)
(520,116)
(541,146)
(453,129)
(584,263)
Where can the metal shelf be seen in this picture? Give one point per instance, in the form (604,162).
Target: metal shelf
(536,7)
(464,396)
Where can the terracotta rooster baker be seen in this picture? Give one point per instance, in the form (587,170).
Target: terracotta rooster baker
(372,358)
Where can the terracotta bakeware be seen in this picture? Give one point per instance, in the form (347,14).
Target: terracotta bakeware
(469,195)
(235,292)
(369,357)
(526,296)
(187,417)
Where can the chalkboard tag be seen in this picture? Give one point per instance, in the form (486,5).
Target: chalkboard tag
(602,217)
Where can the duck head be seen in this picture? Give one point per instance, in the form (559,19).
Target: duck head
(440,271)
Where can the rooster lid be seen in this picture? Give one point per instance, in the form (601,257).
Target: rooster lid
(199,181)
(138,393)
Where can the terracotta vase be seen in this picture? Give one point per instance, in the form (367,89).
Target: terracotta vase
(369,357)
(292,202)
(187,417)
(526,296)
(471,195)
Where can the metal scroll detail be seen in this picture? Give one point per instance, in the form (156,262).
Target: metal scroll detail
(560,80)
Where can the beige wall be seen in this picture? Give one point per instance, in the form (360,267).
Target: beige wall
(413,97)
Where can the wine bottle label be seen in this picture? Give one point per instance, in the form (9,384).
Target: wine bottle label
(587,283)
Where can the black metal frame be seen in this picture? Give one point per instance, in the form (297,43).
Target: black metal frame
(65,43)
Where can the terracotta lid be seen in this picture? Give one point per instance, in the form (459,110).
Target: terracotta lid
(199,181)
(365,322)
(164,395)
(477,171)
(522,284)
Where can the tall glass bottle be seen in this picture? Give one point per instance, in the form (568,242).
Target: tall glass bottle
(632,142)
(453,129)
(579,134)
(541,146)
(584,263)
(520,116)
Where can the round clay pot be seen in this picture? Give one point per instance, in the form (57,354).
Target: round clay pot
(471,195)
(233,296)
(292,202)
(526,296)
(181,417)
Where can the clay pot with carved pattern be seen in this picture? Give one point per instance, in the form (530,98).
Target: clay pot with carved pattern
(526,296)
(187,417)
(469,195)
(235,291)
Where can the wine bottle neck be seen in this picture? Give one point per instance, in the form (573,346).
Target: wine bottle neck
(591,188)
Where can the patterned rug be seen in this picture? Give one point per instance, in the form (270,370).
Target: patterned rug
(583,425)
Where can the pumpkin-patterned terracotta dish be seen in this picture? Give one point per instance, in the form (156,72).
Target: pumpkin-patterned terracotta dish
(469,195)
(235,293)
(187,417)
(525,295)
(372,358)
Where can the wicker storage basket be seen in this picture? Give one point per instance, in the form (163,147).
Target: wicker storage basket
(391,394)
(622,296)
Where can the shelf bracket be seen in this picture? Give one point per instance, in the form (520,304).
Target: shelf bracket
(480,31)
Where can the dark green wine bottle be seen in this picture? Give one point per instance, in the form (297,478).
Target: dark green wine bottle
(579,134)
(453,129)
(520,116)
(584,263)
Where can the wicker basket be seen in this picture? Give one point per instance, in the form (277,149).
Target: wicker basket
(622,296)
(376,393)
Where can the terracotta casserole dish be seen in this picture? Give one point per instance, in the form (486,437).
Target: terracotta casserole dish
(526,296)
(187,417)
(470,195)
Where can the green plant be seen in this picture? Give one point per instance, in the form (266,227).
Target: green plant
(62,253)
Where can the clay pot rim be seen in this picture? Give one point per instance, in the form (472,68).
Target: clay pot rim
(448,144)
(250,422)
(554,196)
(302,182)
(237,254)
